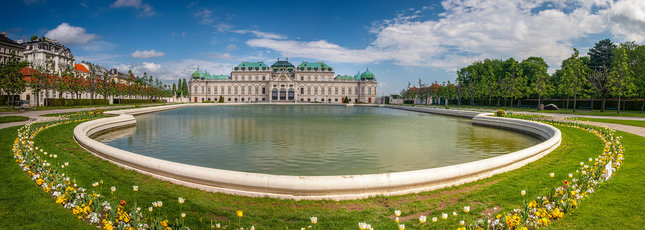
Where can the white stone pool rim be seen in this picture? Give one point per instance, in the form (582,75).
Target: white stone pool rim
(318,187)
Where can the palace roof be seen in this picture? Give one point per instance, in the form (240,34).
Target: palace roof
(252,65)
(282,64)
(314,66)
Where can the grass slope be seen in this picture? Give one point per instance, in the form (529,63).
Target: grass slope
(500,191)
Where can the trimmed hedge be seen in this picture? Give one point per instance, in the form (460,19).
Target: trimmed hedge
(72,102)
(138,101)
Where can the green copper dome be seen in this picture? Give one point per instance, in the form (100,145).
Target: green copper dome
(357,76)
(367,75)
(201,75)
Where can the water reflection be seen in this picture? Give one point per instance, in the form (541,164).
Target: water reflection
(312,140)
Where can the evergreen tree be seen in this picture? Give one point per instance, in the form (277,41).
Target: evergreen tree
(600,58)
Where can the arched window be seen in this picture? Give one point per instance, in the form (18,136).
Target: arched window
(202,89)
(195,89)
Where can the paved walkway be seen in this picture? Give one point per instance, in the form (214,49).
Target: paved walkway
(38,114)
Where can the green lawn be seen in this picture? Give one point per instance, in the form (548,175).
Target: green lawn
(561,111)
(618,200)
(7,119)
(615,121)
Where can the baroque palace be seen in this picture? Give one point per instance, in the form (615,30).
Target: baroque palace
(283,82)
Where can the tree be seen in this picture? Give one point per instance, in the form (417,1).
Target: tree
(621,82)
(514,83)
(600,59)
(186,92)
(12,81)
(174,89)
(535,70)
(574,76)
(449,90)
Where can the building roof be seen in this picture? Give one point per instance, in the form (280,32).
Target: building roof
(314,66)
(81,68)
(217,77)
(282,64)
(254,65)
(344,78)
(367,75)
(357,76)
(5,40)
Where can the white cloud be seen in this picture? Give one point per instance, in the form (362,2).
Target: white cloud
(170,71)
(469,30)
(231,47)
(205,16)
(146,9)
(151,67)
(70,35)
(146,54)
(628,18)
(261,34)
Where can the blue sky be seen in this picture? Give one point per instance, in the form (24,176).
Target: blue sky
(400,41)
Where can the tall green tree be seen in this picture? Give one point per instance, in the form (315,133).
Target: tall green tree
(575,76)
(12,81)
(621,82)
(535,70)
(600,60)
(514,83)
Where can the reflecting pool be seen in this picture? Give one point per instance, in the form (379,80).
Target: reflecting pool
(310,140)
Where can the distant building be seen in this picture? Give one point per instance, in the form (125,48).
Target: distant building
(38,52)
(7,47)
(283,82)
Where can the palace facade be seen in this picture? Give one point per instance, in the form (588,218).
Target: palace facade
(283,82)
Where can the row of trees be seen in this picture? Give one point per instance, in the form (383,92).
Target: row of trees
(45,79)
(609,70)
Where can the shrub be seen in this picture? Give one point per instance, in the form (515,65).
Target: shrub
(447,107)
(500,113)
(221,99)
(208,102)
(138,101)
(73,102)
(137,106)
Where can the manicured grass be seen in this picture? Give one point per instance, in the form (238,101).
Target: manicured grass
(7,119)
(23,204)
(615,121)
(618,203)
(502,191)
(561,111)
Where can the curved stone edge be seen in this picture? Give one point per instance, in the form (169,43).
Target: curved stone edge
(316,187)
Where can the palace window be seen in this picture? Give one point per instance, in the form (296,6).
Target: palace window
(302,90)
(202,89)
(322,90)
(369,90)
(242,89)
(215,90)
(235,89)
(362,90)
(249,89)
(343,90)
(256,77)
(316,90)
(256,91)
(263,78)
(195,89)
(263,90)
(229,90)
(222,88)
(308,90)
(329,90)
(208,90)
(336,90)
